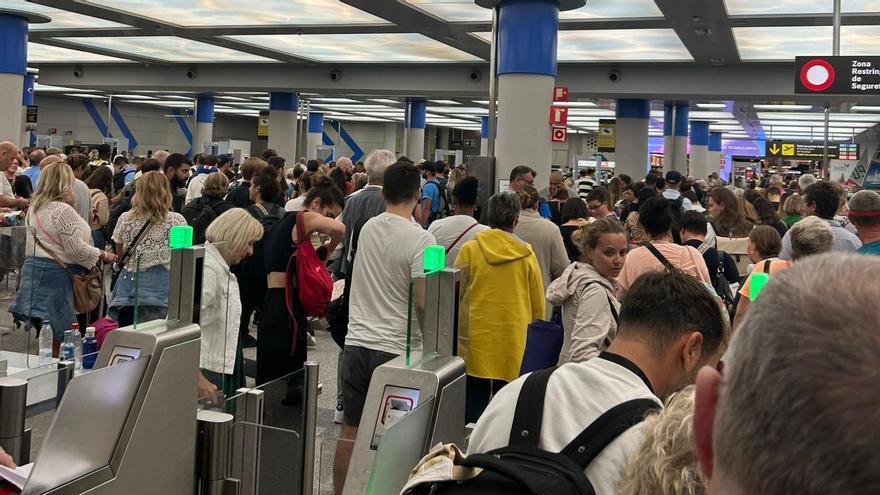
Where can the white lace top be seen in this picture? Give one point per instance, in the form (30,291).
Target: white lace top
(153,248)
(60,228)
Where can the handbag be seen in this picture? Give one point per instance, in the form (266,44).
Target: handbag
(120,263)
(543,345)
(88,289)
(313,283)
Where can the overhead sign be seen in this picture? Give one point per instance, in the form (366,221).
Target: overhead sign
(811,151)
(560,93)
(558,116)
(263,124)
(30,118)
(605,138)
(837,75)
(559,135)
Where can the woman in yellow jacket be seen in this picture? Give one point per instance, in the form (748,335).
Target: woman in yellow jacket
(504,293)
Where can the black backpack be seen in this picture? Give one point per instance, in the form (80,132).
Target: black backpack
(119,178)
(256,265)
(445,209)
(523,468)
(720,283)
(199,216)
(337,310)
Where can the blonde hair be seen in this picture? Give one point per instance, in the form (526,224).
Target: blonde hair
(588,235)
(215,185)
(152,197)
(55,184)
(666,461)
(233,231)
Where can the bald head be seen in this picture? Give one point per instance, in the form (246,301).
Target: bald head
(796,409)
(160,156)
(8,151)
(344,164)
(36,156)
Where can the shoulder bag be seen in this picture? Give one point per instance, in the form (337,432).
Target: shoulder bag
(120,263)
(88,289)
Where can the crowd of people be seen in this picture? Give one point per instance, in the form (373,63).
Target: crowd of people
(655,286)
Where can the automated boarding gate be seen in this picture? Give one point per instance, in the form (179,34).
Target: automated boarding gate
(429,390)
(131,425)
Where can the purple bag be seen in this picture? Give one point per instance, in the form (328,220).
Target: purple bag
(543,345)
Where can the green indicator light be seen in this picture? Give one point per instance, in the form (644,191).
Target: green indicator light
(435,258)
(180,236)
(759,280)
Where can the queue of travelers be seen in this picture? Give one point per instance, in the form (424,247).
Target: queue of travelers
(664,292)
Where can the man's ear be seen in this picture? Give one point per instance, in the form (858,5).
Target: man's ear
(692,352)
(705,405)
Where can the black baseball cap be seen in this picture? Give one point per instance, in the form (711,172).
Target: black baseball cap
(673,177)
(223,160)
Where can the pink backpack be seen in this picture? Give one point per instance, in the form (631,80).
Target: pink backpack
(313,282)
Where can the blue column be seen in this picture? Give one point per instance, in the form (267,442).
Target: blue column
(680,133)
(699,162)
(204,135)
(28,138)
(484,135)
(13,67)
(527,39)
(283,109)
(631,137)
(714,159)
(315,134)
(416,117)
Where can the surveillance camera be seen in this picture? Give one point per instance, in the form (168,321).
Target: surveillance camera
(614,75)
(335,75)
(78,72)
(192,73)
(476,76)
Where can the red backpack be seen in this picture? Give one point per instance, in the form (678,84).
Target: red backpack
(313,283)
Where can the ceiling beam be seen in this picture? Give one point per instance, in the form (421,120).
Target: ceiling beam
(704,28)
(98,51)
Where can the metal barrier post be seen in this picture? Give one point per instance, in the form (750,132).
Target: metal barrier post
(181,295)
(246,440)
(212,463)
(447,311)
(310,424)
(65,374)
(13,403)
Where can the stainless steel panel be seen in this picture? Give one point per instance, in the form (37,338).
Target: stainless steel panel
(310,424)
(215,432)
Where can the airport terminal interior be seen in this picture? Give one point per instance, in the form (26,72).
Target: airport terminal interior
(348,247)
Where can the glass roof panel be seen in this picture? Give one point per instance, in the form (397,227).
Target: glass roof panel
(781,7)
(859,40)
(39,53)
(61,19)
(168,48)
(468,11)
(376,47)
(237,13)
(614,9)
(621,45)
(782,42)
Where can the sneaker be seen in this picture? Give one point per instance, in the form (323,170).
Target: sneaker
(311,342)
(248,341)
(339,415)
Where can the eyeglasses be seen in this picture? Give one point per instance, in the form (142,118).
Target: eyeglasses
(594,207)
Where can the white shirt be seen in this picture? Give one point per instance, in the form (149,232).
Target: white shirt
(194,189)
(82,199)
(220,315)
(577,394)
(447,230)
(390,253)
(296,203)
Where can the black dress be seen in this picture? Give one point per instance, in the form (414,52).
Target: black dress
(281,338)
(574,253)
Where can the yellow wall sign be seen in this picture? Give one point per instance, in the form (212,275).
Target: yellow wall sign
(605,139)
(787,149)
(263,124)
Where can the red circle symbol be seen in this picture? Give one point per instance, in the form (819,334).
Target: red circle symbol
(817,75)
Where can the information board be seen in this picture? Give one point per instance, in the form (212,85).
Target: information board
(811,151)
(837,75)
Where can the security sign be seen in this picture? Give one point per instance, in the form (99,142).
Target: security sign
(559,135)
(837,75)
(558,116)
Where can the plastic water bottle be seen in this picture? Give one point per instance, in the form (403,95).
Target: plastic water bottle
(89,348)
(67,351)
(77,347)
(45,344)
